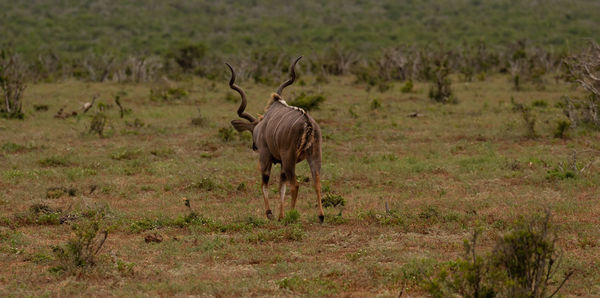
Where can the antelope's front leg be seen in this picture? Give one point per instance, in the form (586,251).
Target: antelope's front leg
(318,191)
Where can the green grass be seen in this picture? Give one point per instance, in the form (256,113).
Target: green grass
(402,192)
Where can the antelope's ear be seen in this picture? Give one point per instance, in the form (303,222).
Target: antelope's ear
(241,125)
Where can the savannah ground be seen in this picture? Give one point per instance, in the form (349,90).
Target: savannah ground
(454,168)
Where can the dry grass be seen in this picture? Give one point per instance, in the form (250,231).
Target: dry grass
(440,174)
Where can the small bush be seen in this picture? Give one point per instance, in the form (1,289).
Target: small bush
(162,152)
(167,93)
(188,56)
(291,217)
(38,214)
(407,87)
(204,184)
(540,103)
(441,90)
(561,128)
(98,123)
(12,84)
(79,253)
(375,105)
(584,70)
(226,134)
(126,154)
(200,121)
(13,148)
(333,200)
(429,213)
(560,173)
(338,219)
(528,118)
(308,102)
(293,232)
(54,161)
(523,263)
(40,108)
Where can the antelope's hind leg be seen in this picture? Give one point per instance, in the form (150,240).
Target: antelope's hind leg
(288,176)
(265,169)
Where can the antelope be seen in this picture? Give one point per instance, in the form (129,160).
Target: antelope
(286,135)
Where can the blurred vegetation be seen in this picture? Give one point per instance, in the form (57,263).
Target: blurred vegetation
(377,41)
(235,26)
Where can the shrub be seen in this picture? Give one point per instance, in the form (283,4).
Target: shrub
(561,128)
(13,148)
(204,184)
(12,83)
(308,102)
(524,263)
(199,121)
(540,103)
(226,134)
(97,124)
(407,87)
(167,94)
(291,217)
(466,277)
(54,161)
(40,108)
(38,214)
(560,173)
(126,154)
(333,200)
(584,70)
(528,118)
(81,250)
(441,90)
(375,104)
(188,56)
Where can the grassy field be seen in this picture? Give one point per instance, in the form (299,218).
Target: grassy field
(453,168)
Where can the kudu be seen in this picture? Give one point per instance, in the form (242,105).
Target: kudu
(285,135)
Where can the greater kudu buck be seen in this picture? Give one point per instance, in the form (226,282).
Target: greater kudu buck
(286,135)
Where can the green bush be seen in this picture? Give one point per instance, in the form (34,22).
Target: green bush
(407,87)
(54,161)
(38,214)
(524,263)
(291,217)
(561,128)
(188,56)
(226,134)
(12,84)
(528,117)
(80,251)
(375,104)
(97,123)
(12,148)
(307,102)
(333,200)
(126,154)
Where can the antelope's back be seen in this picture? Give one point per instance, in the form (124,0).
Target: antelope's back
(283,128)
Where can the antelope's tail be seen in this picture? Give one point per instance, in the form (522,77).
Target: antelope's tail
(307,139)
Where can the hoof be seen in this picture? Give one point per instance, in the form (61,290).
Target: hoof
(269,215)
(321,218)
